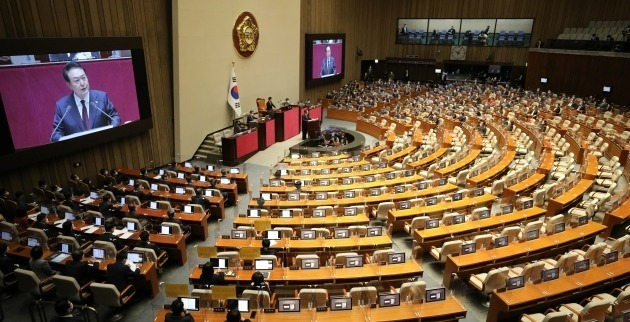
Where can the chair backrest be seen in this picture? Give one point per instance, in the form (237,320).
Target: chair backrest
(28,282)
(143,183)
(321,232)
(164,204)
(418,223)
(594,310)
(176,229)
(482,241)
(109,247)
(285,232)
(535,272)
(551,222)
(622,303)
(450,247)
(67,287)
(495,279)
(557,317)
(475,213)
(131,199)
(257,298)
(364,295)
(380,255)
(358,230)
(412,291)
(340,258)
(106,294)
(497,187)
(383,209)
(313,297)
(511,232)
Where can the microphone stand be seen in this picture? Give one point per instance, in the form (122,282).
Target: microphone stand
(98,108)
(59,123)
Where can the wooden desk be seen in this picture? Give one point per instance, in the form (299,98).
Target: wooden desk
(373,150)
(325,274)
(322,158)
(339,187)
(524,186)
(373,129)
(493,172)
(470,158)
(398,217)
(429,159)
(298,222)
(354,242)
(338,174)
(198,222)
(368,200)
(568,198)
(509,305)
(447,310)
(544,247)
(616,217)
(438,236)
(241,179)
(147,282)
(340,114)
(341,164)
(401,154)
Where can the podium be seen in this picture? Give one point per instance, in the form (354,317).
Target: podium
(314,128)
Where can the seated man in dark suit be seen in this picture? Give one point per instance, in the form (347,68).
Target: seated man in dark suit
(109,236)
(107,207)
(178,313)
(270,105)
(171,218)
(200,200)
(145,243)
(265,250)
(68,202)
(137,191)
(64,308)
(119,273)
(107,185)
(133,214)
(80,270)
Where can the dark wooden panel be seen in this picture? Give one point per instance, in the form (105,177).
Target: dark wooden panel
(94,18)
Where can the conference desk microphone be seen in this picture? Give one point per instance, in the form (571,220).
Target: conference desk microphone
(59,123)
(98,108)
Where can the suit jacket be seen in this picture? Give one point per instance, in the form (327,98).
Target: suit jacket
(150,245)
(113,239)
(81,271)
(72,122)
(201,201)
(328,68)
(270,105)
(6,264)
(118,274)
(41,268)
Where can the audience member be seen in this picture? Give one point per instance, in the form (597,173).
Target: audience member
(64,309)
(38,265)
(178,313)
(82,271)
(119,272)
(171,218)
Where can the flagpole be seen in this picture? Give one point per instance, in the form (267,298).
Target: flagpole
(233,110)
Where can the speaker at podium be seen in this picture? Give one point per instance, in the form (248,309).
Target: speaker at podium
(314,128)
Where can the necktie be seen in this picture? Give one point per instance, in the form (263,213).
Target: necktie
(84,114)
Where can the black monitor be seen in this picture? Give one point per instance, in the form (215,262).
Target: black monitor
(340,303)
(581,266)
(348,194)
(342,233)
(273,234)
(374,231)
(501,241)
(484,214)
(324,182)
(611,256)
(507,209)
(319,212)
(293,196)
(210,167)
(533,234)
(441,182)
(456,196)
(550,274)
(399,189)
(422,185)
(6,236)
(253,213)
(190,303)
(242,305)
(65,248)
(219,262)
(459,219)
(33,241)
(469,248)
(434,295)
(288,304)
(354,261)
(479,192)
(306,234)
(559,227)
(239,234)
(369,178)
(432,223)
(166,230)
(346,170)
(350,211)
(528,204)
(582,220)
(404,205)
(390,176)
(395,258)
(431,201)
(375,192)
(387,299)
(98,221)
(275,183)
(321,195)
(310,263)
(515,282)
(263,264)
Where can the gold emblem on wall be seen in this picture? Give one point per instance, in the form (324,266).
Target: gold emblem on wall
(245,34)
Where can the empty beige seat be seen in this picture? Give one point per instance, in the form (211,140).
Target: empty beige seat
(595,310)
(448,248)
(549,317)
(363,295)
(531,272)
(313,297)
(488,282)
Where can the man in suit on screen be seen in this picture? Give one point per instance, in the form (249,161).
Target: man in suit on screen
(83,109)
(328,64)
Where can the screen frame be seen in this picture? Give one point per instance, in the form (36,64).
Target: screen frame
(11,158)
(308,59)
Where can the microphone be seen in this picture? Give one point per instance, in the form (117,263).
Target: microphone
(98,108)
(62,117)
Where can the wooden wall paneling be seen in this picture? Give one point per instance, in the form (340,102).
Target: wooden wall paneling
(95,18)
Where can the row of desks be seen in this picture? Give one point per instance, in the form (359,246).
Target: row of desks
(509,305)
(320,244)
(544,247)
(447,310)
(356,185)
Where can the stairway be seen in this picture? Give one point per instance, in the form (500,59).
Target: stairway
(208,151)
